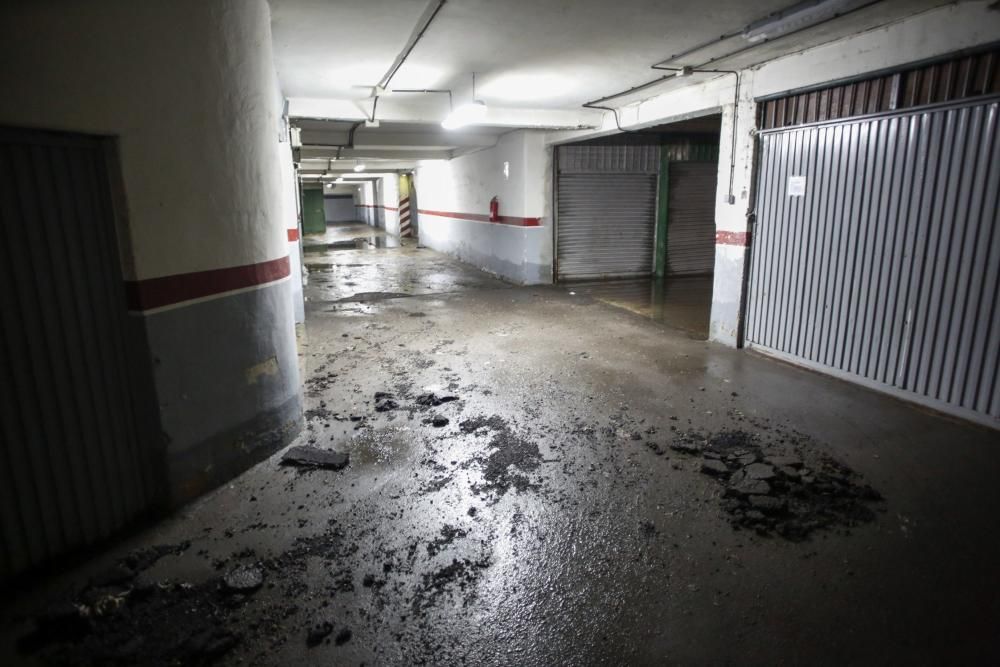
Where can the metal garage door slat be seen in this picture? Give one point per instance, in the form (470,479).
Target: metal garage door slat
(72,470)
(691,218)
(888,268)
(605,224)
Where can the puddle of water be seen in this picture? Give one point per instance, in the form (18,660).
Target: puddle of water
(684,303)
(324,247)
(360,243)
(377,242)
(368,297)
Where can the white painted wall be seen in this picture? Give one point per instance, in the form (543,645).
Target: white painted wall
(934,33)
(290,216)
(366,204)
(389,203)
(466,184)
(187,87)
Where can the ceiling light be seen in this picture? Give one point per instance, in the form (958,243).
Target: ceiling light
(340,179)
(467,114)
(329,185)
(799,16)
(359,167)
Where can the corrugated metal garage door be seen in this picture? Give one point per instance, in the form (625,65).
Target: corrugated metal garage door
(71,471)
(886,267)
(691,218)
(606,212)
(606,225)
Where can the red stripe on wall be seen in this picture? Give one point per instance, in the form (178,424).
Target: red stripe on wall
(168,290)
(732,238)
(504,219)
(293,235)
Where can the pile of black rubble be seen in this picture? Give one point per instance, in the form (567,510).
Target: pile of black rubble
(785,488)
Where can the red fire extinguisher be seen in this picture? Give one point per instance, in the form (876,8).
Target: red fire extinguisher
(494,210)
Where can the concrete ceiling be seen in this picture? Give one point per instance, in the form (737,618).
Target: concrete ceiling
(537,61)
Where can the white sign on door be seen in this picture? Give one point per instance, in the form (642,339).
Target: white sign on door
(796,186)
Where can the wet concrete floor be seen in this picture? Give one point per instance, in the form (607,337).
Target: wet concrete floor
(683,302)
(350,236)
(571,510)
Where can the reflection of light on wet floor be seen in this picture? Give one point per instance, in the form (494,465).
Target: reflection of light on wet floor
(366,243)
(403,270)
(381,446)
(681,302)
(378,242)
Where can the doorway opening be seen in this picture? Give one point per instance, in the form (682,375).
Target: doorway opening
(635,220)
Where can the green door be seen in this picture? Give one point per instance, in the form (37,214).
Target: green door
(313,217)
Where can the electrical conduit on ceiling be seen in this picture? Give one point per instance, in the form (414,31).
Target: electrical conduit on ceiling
(849,8)
(418,32)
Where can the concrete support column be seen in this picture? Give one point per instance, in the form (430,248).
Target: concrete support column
(732,235)
(186,90)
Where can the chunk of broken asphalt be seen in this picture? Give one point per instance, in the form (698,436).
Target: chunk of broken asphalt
(714,467)
(385,404)
(314,457)
(746,487)
(243,579)
(759,471)
(686,447)
(766,503)
(433,399)
(318,633)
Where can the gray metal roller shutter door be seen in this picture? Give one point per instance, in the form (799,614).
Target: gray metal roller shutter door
(691,218)
(605,225)
(71,469)
(888,268)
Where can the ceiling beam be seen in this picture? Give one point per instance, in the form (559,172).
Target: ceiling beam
(399,140)
(346,168)
(326,153)
(347,110)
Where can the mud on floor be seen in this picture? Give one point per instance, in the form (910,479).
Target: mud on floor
(771,482)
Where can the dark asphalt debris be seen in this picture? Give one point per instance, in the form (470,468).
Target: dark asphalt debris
(433,400)
(785,489)
(317,633)
(385,402)
(243,579)
(314,457)
(510,460)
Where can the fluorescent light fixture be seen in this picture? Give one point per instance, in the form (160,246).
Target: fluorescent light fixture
(359,167)
(340,179)
(467,114)
(329,185)
(799,16)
